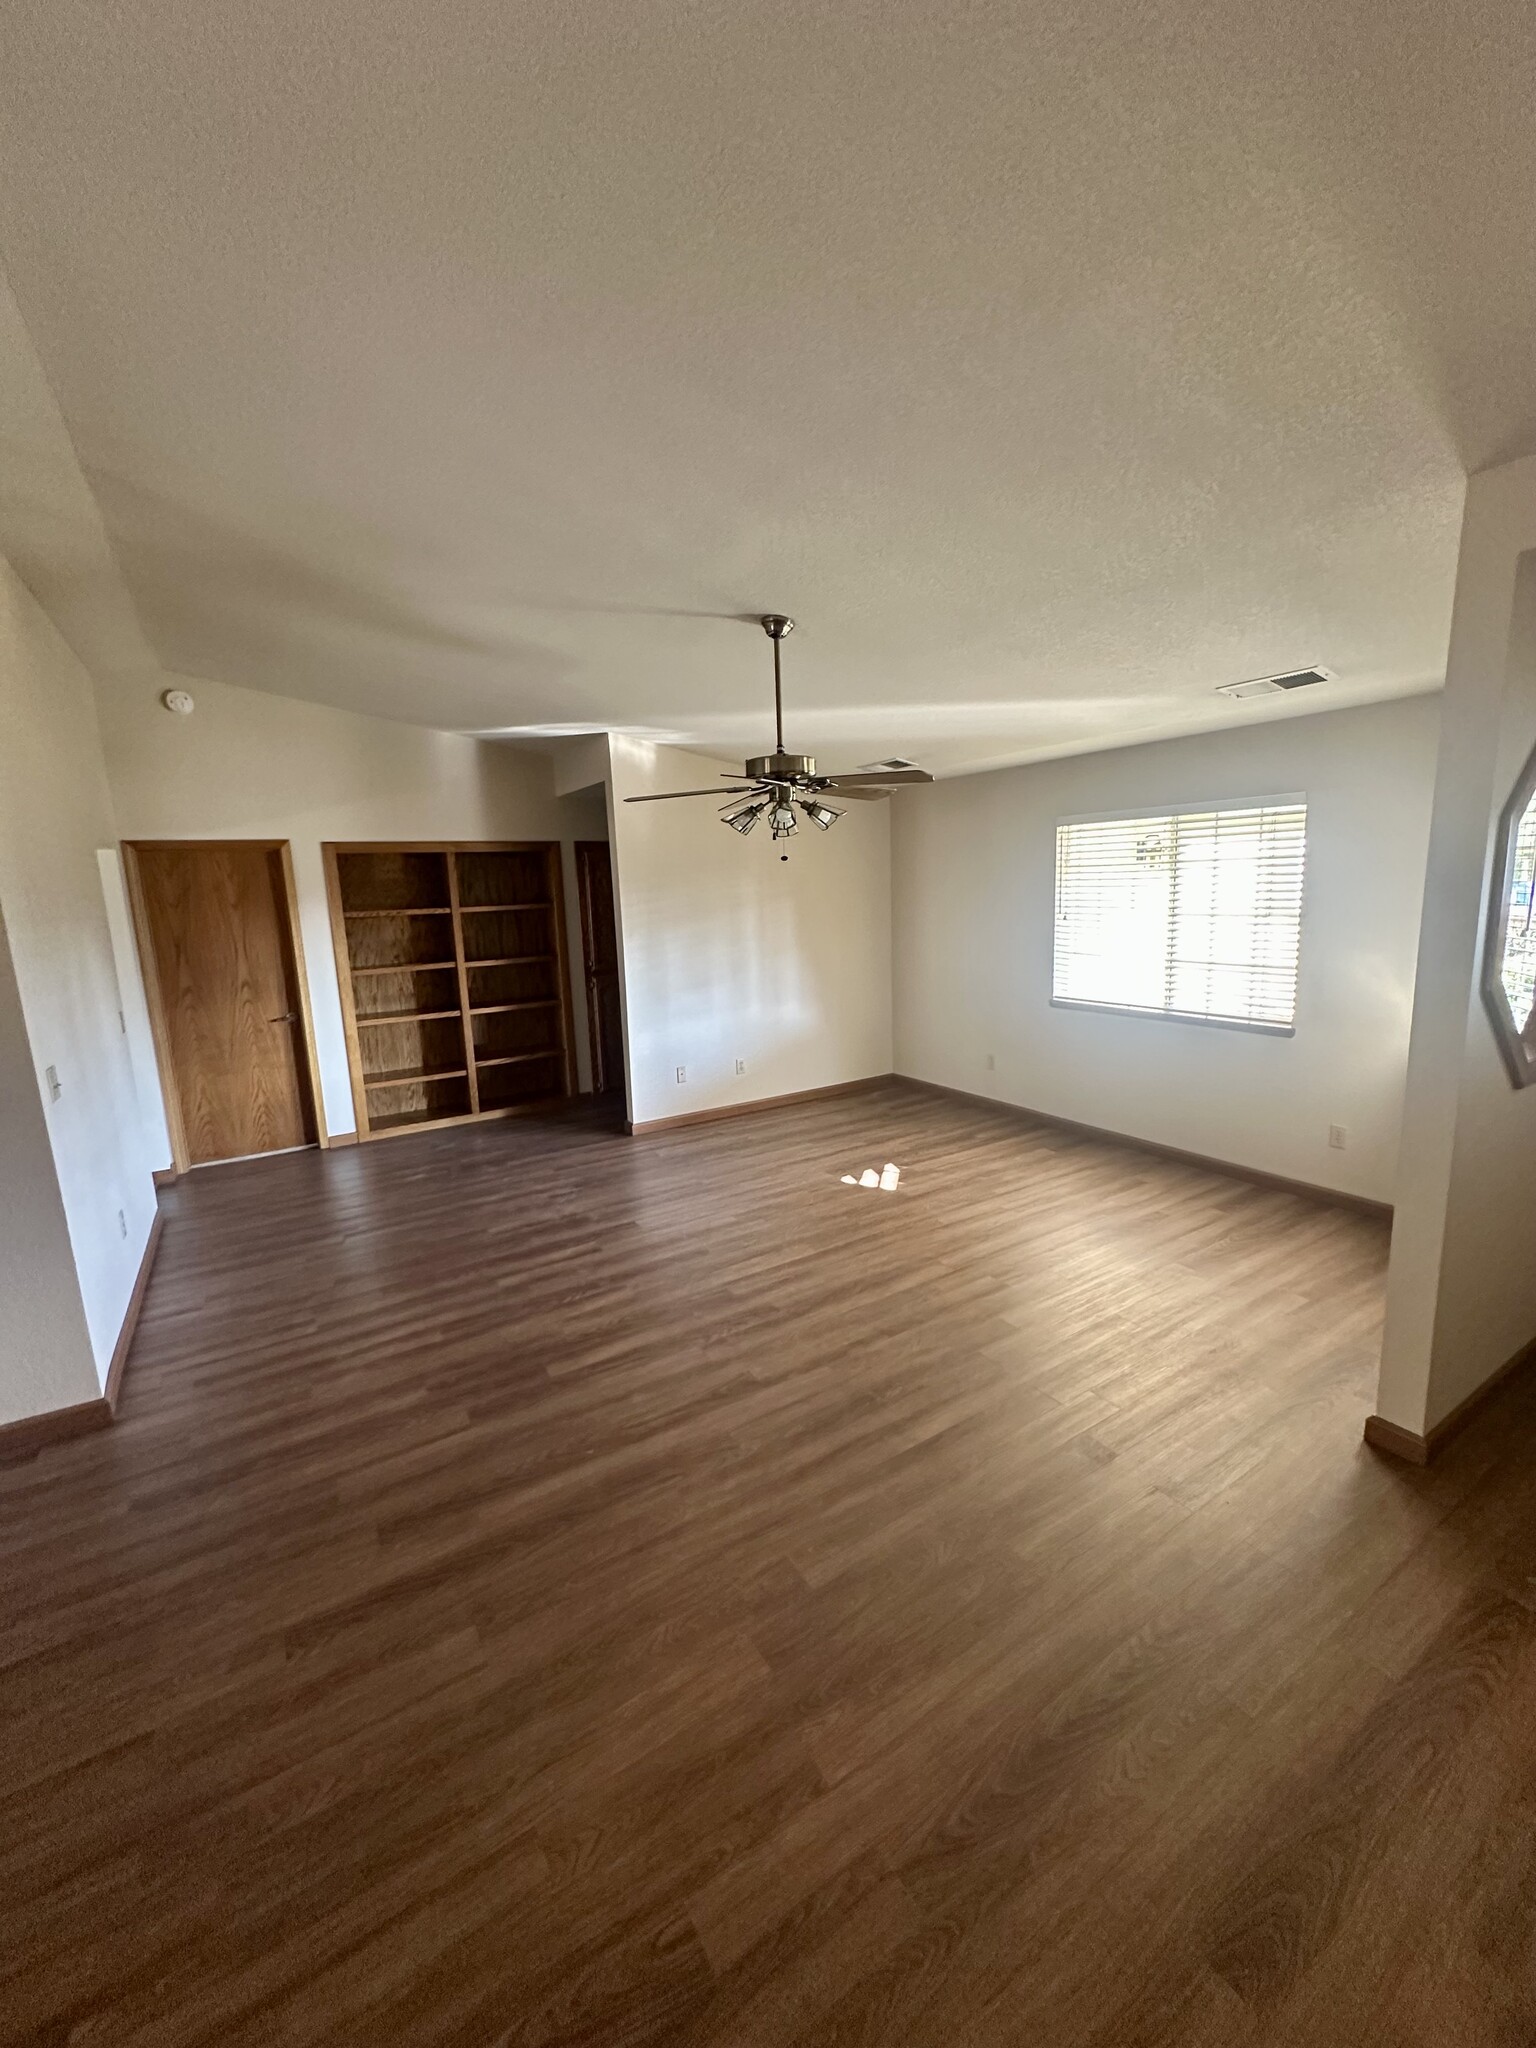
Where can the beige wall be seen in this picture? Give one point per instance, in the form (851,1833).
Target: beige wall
(1461,1291)
(974,881)
(46,1358)
(246,765)
(732,954)
(55,814)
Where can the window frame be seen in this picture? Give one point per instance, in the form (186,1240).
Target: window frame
(1203,807)
(1519,1060)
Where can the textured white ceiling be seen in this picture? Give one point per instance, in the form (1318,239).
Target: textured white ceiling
(482,365)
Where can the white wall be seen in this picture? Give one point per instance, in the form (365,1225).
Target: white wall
(55,813)
(973,887)
(1461,1289)
(134,1006)
(46,1359)
(731,954)
(247,765)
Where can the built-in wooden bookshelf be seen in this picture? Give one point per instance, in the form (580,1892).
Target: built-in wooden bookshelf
(453,980)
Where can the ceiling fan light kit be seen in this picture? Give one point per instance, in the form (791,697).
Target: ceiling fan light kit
(779,783)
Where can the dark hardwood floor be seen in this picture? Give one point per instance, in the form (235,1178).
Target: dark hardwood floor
(551,1588)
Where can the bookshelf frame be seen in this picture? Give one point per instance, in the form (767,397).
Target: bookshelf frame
(412,975)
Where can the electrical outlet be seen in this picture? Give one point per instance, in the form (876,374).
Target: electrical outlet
(682,1074)
(741,1066)
(1338,1137)
(55,1085)
(122,1224)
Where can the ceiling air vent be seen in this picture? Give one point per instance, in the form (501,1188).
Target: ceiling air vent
(1269,686)
(896,761)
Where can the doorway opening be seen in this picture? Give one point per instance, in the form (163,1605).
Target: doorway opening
(600,965)
(218,935)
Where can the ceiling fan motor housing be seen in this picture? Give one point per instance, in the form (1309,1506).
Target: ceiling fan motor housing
(779,767)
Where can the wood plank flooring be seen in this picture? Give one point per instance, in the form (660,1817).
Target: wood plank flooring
(551,1588)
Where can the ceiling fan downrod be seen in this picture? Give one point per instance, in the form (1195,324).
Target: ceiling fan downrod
(781,813)
(776,625)
(779,766)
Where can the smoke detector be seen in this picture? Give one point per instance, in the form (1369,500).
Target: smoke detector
(1271,686)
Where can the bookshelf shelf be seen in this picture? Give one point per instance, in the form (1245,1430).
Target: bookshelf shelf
(365,1023)
(508,960)
(501,1009)
(415,967)
(407,1077)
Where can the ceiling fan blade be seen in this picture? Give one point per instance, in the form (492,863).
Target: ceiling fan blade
(665,796)
(890,780)
(852,796)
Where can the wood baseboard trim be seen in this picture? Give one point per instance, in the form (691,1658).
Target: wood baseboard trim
(165,1176)
(124,1343)
(1310,1190)
(1397,1442)
(33,1433)
(1419,1450)
(760,1102)
(340,1138)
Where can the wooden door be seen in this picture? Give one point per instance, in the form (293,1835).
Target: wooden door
(222,958)
(600,951)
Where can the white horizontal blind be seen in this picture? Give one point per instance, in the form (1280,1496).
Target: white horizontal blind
(1192,914)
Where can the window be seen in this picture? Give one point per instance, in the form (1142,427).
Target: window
(1194,914)
(1509,962)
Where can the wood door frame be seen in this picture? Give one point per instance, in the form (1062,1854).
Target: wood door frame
(594,1033)
(159,1025)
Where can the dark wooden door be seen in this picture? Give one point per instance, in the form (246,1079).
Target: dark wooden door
(600,961)
(222,956)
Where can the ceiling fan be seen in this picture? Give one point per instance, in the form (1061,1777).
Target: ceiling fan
(779,784)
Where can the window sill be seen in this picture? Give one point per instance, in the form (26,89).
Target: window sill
(1177,1017)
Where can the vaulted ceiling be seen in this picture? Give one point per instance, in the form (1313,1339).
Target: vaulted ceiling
(484,366)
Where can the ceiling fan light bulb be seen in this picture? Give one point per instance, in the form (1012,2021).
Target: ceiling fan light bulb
(782,819)
(743,821)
